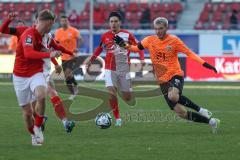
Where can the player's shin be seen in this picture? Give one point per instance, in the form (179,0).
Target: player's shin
(58,107)
(28,118)
(196,117)
(114,105)
(188,103)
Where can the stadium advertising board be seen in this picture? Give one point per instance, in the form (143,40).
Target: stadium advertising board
(228,69)
(219,45)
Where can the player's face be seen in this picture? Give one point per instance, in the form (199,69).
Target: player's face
(114,24)
(48,25)
(64,22)
(160,30)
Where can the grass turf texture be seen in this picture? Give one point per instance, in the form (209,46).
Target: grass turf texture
(150,130)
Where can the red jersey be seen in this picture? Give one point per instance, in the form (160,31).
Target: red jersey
(18,31)
(116,57)
(28,54)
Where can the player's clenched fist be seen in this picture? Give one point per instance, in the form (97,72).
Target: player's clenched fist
(12,16)
(55,54)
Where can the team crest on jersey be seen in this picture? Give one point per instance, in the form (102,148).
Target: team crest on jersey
(168,48)
(177,82)
(28,41)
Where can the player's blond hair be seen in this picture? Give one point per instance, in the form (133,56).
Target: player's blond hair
(46,14)
(160,20)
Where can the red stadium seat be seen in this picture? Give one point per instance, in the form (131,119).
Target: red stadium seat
(32,7)
(222,7)
(122,5)
(9,7)
(199,26)
(217,16)
(235,6)
(139,15)
(84,16)
(112,6)
(204,16)
(156,7)
(27,15)
(132,7)
(46,6)
(208,7)
(212,26)
(60,6)
(177,7)
(1,7)
(166,7)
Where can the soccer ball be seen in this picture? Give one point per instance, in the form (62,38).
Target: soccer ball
(103,120)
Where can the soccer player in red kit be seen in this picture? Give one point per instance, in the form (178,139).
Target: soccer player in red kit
(28,78)
(48,43)
(117,61)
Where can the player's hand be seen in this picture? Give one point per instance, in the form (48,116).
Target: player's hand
(75,50)
(58,69)
(12,16)
(118,40)
(209,66)
(55,54)
(87,64)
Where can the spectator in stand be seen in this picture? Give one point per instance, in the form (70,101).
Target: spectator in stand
(145,19)
(234,20)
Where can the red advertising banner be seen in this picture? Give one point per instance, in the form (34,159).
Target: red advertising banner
(228,69)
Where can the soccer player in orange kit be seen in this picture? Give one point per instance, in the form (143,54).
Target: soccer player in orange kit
(164,49)
(71,39)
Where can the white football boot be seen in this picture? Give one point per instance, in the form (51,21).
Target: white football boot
(206,113)
(38,134)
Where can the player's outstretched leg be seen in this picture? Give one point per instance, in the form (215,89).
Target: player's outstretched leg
(59,109)
(113,102)
(196,117)
(29,121)
(40,93)
(188,103)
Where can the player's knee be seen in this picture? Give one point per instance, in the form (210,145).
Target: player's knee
(182,114)
(40,93)
(27,112)
(173,97)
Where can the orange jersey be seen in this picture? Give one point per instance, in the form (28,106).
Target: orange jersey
(68,39)
(164,55)
(13,43)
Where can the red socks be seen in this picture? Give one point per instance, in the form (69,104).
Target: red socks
(114,105)
(58,107)
(38,120)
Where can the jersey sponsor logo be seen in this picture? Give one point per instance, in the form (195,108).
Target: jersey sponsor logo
(28,41)
(169,48)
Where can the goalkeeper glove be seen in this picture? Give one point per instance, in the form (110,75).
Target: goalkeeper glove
(118,40)
(209,66)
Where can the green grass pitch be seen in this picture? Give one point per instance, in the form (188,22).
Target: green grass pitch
(150,131)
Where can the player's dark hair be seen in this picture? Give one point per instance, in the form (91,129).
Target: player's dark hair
(20,21)
(115,14)
(46,14)
(63,16)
